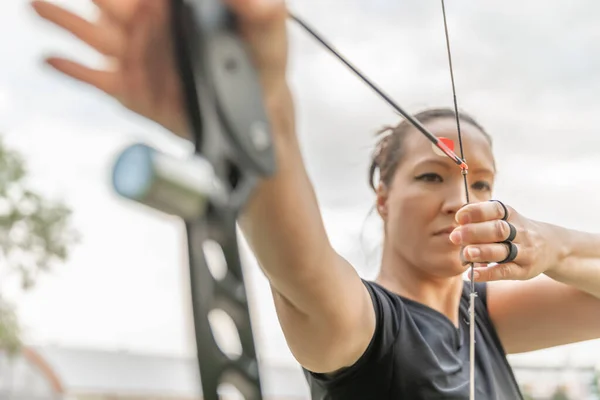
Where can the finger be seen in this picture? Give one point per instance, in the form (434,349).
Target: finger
(103,80)
(106,41)
(256,10)
(136,61)
(499,272)
(482,232)
(481,212)
(492,253)
(119,10)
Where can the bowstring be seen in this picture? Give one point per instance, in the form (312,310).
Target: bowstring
(473,293)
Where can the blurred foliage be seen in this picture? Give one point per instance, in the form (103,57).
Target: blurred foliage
(10,331)
(35,234)
(595,385)
(560,394)
(526,392)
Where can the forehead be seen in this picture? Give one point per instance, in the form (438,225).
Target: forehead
(477,148)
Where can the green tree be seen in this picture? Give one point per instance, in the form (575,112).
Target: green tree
(35,234)
(595,385)
(560,394)
(526,392)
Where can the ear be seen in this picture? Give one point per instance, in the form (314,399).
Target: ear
(382,200)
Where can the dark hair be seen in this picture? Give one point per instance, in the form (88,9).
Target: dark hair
(389,149)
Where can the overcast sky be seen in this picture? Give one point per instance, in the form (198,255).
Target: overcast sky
(528,73)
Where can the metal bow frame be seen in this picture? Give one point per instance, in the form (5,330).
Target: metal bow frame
(233,150)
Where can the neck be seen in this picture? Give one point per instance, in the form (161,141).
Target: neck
(439,293)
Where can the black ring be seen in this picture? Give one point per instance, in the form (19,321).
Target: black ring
(513,232)
(513,251)
(505,217)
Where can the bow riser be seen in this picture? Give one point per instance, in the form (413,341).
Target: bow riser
(233,149)
(230,128)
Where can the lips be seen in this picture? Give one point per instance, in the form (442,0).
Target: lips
(446,231)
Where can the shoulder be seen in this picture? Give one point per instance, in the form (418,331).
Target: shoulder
(390,314)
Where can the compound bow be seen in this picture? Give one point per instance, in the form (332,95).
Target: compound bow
(233,149)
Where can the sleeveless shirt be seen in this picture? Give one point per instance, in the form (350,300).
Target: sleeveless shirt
(417,353)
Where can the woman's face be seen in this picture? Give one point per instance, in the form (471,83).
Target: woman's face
(419,206)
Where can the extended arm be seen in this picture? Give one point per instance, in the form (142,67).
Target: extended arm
(580,267)
(559,308)
(324,309)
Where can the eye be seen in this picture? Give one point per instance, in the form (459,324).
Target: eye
(429,177)
(483,186)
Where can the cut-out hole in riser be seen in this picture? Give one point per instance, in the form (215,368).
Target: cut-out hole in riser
(228,391)
(215,259)
(225,333)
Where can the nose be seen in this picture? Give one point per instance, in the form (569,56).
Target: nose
(455,197)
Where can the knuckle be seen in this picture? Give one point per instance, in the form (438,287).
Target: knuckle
(479,211)
(524,235)
(493,253)
(533,257)
(470,212)
(511,212)
(504,271)
(501,229)
(498,210)
(497,253)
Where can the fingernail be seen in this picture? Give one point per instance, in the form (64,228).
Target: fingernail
(475,275)
(473,252)
(456,237)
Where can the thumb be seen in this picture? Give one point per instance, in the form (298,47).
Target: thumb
(498,272)
(262,23)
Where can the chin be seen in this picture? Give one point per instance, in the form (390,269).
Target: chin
(446,265)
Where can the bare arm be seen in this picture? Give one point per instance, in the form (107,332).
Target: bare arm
(542,313)
(580,268)
(324,309)
(559,308)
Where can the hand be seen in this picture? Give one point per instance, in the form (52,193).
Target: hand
(482,232)
(135,37)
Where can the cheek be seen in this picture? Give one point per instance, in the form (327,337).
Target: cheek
(408,216)
(480,196)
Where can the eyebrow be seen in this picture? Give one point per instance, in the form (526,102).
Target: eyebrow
(448,164)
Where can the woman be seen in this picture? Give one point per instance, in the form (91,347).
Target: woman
(404,335)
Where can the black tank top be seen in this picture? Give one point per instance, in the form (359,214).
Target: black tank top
(418,354)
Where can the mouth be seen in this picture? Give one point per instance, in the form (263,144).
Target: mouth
(446,231)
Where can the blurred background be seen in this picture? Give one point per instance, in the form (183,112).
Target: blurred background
(108,317)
